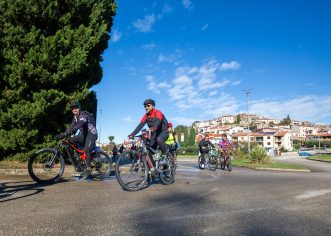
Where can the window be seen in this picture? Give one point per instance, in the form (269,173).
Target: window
(268,137)
(268,143)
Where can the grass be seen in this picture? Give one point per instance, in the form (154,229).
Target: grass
(322,157)
(5,164)
(273,164)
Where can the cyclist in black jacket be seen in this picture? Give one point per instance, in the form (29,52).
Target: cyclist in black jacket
(204,148)
(83,122)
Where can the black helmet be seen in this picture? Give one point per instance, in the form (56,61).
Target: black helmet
(149,101)
(74,105)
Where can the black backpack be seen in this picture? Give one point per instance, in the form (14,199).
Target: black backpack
(90,117)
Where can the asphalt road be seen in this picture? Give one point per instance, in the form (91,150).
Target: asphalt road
(241,202)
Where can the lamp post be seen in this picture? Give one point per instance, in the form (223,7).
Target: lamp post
(100,126)
(247,92)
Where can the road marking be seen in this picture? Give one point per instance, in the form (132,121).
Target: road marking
(314,193)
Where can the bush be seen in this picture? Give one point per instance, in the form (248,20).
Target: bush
(190,150)
(240,154)
(259,155)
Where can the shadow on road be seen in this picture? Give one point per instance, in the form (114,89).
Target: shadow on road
(10,191)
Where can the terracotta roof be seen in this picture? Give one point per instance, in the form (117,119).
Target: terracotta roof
(281,134)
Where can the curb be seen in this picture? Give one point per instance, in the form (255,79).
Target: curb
(284,170)
(318,160)
(26,172)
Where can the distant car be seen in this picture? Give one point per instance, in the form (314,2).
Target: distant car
(304,154)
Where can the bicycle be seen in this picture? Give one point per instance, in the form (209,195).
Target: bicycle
(133,166)
(173,151)
(210,159)
(47,165)
(225,161)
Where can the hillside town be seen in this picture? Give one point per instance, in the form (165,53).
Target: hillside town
(270,133)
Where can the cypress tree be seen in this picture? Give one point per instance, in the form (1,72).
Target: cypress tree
(50,55)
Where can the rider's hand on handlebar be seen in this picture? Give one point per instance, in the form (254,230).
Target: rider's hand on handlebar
(60,136)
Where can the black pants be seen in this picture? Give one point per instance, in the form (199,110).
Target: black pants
(203,152)
(159,139)
(88,141)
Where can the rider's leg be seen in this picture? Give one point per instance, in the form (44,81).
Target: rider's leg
(161,138)
(89,143)
(77,140)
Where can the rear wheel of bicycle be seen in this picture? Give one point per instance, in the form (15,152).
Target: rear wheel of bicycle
(228,163)
(166,170)
(45,166)
(131,171)
(213,163)
(102,164)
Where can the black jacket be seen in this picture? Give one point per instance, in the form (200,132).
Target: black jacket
(82,123)
(203,144)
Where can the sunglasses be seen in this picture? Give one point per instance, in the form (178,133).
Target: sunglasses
(148,105)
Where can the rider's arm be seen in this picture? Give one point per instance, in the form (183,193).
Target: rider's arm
(211,144)
(140,126)
(232,145)
(76,125)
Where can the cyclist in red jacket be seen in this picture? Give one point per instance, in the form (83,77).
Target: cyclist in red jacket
(157,123)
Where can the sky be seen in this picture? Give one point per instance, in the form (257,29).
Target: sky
(195,58)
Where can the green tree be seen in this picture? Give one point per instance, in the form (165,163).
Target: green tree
(191,139)
(111,138)
(238,119)
(50,55)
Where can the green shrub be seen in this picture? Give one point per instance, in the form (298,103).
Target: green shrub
(259,155)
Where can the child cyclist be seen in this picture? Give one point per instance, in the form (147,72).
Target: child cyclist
(224,146)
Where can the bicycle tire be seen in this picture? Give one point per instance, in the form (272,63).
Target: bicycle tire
(49,172)
(102,163)
(212,163)
(167,175)
(200,163)
(228,163)
(131,174)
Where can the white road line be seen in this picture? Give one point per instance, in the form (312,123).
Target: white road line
(313,193)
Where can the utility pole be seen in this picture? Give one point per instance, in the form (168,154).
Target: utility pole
(247,92)
(100,126)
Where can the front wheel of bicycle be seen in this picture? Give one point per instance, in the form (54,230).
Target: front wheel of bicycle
(46,166)
(201,165)
(131,171)
(213,163)
(102,163)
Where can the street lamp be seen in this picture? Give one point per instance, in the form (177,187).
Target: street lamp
(100,126)
(247,92)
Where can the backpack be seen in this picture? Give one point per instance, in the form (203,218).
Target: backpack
(90,117)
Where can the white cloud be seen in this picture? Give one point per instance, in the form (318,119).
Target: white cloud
(171,58)
(212,93)
(236,82)
(195,87)
(307,107)
(154,86)
(233,65)
(128,119)
(187,4)
(116,36)
(145,25)
(149,46)
(204,27)
(181,121)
